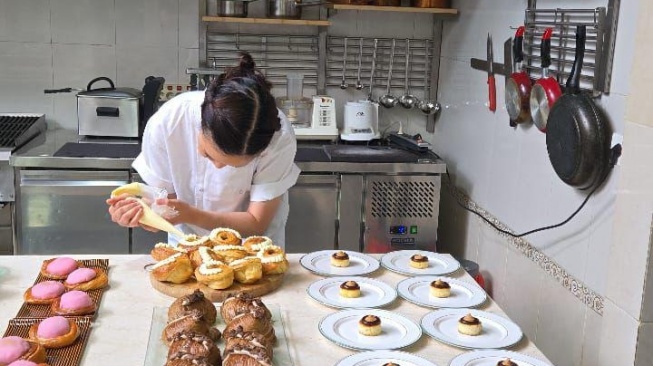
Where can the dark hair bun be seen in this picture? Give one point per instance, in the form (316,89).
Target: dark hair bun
(246,62)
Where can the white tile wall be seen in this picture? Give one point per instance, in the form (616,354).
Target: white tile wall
(189,24)
(148,23)
(83,21)
(561,320)
(591,338)
(25,72)
(134,64)
(492,257)
(619,343)
(524,280)
(25,21)
(188,57)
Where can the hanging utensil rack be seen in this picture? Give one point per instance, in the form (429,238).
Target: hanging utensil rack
(601,26)
(420,49)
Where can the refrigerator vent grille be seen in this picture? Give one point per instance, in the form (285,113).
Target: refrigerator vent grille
(403,199)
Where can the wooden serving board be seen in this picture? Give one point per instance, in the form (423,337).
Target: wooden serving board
(265,285)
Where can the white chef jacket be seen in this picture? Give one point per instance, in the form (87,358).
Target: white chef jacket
(170,159)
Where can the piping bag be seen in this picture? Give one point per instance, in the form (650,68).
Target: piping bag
(152,213)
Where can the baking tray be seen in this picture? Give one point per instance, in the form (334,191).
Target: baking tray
(66,356)
(157,351)
(43,311)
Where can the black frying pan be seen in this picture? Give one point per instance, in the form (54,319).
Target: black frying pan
(577,136)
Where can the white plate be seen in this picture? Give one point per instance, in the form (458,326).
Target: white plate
(320,263)
(463,293)
(439,264)
(157,351)
(498,332)
(374,293)
(397,331)
(492,357)
(377,358)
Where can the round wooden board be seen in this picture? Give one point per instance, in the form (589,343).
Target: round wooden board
(266,285)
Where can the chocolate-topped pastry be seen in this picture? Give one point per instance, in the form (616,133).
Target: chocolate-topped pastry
(469,325)
(253,321)
(195,344)
(369,325)
(240,304)
(350,289)
(251,337)
(506,362)
(419,261)
(391,364)
(195,301)
(250,356)
(252,343)
(193,322)
(340,259)
(439,288)
(185,359)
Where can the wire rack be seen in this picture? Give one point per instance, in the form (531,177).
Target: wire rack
(419,75)
(275,55)
(598,53)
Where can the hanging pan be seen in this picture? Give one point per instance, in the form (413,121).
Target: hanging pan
(577,135)
(518,85)
(546,90)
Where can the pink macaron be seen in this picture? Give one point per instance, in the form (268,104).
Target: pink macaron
(75,300)
(12,348)
(23,363)
(61,266)
(81,275)
(53,327)
(47,290)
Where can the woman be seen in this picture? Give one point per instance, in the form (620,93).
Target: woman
(226,155)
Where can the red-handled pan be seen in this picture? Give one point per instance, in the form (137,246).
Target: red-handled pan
(546,90)
(578,135)
(518,85)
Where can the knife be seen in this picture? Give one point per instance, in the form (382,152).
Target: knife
(490,75)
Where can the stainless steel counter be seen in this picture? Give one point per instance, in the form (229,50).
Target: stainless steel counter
(40,154)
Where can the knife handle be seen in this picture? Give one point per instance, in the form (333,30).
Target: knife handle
(492,92)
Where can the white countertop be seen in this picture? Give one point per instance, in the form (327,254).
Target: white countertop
(121,330)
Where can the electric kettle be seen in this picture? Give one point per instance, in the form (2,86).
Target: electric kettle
(361,121)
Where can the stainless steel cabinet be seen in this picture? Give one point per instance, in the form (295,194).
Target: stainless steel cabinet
(64,211)
(142,240)
(313,214)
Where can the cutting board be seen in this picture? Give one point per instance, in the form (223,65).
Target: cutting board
(265,285)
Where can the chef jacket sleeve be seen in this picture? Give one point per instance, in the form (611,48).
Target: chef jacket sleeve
(276,171)
(153,163)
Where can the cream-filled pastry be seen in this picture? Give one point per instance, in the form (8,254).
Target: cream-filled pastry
(439,288)
(255,243)
(86,279)
(58,268)
(506,362)
(15,348)
(369,325)
(350,289)
(340,259)
(469,325)
(73,303)
(176,269)
(44,292)
(217,275)
(54,332)
(162,251)
(225,236)
(273,259)
(230,253)
(419,261)
(193,242)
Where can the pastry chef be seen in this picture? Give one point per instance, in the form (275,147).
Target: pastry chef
(226,156)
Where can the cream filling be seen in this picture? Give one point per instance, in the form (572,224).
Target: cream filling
(206,257)
(194,240)
(169,246)
(270,259)
(259,359)
(205,270)
(218,248)
(168,260)
(214,233)
(264,244)
(240,261)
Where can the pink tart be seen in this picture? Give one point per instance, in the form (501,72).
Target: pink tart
(24,363)
(61,266)
(12,348)
(43,293)
(81,275)
(75,300)
(53,327)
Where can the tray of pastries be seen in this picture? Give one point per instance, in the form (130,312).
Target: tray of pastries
(220,265)
(67,287)
(52,341)
(243,331)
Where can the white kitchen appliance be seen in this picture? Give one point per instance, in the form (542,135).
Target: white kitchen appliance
(322,125)
(361,121)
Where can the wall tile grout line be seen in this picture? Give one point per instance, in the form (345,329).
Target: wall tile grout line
(580,290)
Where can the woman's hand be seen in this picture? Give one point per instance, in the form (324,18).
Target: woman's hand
(126,213)
(184,211)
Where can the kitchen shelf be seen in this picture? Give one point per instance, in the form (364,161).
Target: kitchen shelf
(319,23)
(398,9)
